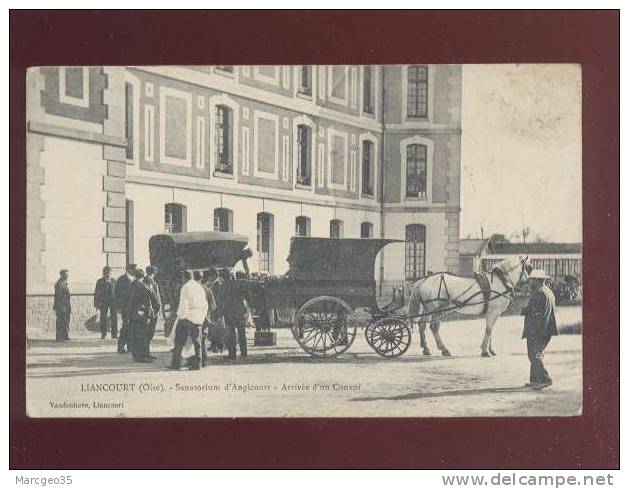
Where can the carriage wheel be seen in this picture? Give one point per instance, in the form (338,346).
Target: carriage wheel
(322,326)
(390,338)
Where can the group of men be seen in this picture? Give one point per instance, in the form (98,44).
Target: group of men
(211,299)
(136,296)
(207,302)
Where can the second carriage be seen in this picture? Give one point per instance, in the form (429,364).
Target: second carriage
(329,285)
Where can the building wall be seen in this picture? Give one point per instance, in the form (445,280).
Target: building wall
(78,139)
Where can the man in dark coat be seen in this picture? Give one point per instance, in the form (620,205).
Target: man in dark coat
(105,302)
(539,326)
(123,294)
(62,307)
(213,330)
(230,298)
(142,312)
(151,283)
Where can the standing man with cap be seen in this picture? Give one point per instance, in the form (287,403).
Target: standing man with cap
(190,317)
(62,307)
(123,294)
(142,311)
(230,301)
(539,327)
(151,282)
(105,302)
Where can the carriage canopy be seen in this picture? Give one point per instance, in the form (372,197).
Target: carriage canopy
(172,253)
(346,259)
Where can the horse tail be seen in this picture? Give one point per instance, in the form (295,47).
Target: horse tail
(415,301)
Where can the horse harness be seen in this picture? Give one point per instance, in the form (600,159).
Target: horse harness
(485,287)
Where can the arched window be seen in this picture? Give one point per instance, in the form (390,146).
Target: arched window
(264,243)
(417,92)
(302,226)
(174,218)
(366,230)
(336,228)
(415,255)
(223,220)
(224,138)
(416,171)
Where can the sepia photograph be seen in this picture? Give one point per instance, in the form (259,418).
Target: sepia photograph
(245,241)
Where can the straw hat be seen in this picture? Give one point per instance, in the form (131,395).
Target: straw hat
(539,274)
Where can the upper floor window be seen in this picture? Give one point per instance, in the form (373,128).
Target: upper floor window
(368,90)
(128,128)
(367,170)
(303,154)
(415,252)
(174,218)
(336,228)
(223,220)
(224,160)
(366,230)
(416,171)
(228,68)
(302,226)
(305,80)
(417,96)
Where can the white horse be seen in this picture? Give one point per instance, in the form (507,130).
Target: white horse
(444,293)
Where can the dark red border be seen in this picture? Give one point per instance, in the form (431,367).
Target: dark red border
(587,37)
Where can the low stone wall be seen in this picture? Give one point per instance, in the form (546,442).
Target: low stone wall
(40,318)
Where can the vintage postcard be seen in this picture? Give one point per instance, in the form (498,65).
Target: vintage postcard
(304,241)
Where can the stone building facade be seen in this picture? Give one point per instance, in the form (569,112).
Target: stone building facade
(118,154)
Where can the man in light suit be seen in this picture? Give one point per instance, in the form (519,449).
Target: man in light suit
(539,326)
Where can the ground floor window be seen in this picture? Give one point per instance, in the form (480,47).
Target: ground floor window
(223,220)
(264,242)
(336,228)
(174,218)
(415,253)
(366,230)
(302,226)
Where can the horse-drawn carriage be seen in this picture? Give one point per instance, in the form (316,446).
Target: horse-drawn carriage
(327,281)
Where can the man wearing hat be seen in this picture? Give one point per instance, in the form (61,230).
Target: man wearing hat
(62,306)
(142,313)
(123,295)
(539,327)
(230,301)
(105,302)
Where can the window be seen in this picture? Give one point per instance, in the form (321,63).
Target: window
(129,230)
(264,241)
(128,128)
(228,68)
(174,218)
(417,96)
(305,80)
(336,228)
(223,220)
(366,230)
(415,253)
(367,168)
(302,226)
(303,155)
(223,139)
(368,90)
(416,171)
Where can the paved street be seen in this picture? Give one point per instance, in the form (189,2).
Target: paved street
(86,378)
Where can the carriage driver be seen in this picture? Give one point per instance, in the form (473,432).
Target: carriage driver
(539,327)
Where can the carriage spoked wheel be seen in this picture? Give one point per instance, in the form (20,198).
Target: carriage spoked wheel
(389,337)
(323,328)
